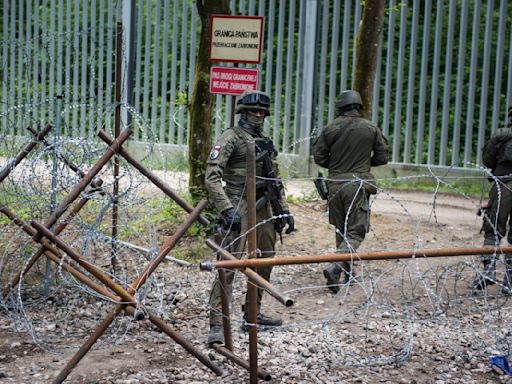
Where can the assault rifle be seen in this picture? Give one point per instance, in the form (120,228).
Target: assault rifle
(222,234)
(271,185)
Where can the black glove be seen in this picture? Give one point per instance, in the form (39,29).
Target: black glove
(231,220)
(289,220)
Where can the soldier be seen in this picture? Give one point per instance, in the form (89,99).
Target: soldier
(348,147)
(497,155)
(227,162)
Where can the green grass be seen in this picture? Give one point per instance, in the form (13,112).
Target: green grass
(156,158)
(468,186)
(177,163)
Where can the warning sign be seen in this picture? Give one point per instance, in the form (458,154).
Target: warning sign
(233,81)
(236,39)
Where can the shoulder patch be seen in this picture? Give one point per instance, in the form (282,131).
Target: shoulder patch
(215,152)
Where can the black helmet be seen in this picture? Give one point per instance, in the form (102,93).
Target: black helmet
(252,99)
(347,98)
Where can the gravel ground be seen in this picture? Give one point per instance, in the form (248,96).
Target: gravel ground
(404,321)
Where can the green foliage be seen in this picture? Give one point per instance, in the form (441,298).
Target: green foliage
(182,98)
(163,160)
(197,251)
(172,212)
(23,212)
(473,187)
(167,216)
(173,215)
(171,93)
(305,197)
(395,8)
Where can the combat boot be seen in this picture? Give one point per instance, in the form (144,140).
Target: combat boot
(507,280)
(332,274)
(262,320)
(216,335)
(487,276)
(269,321)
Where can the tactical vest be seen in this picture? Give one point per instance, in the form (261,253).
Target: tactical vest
(235,174)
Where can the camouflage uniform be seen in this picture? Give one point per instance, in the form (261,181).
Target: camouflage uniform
(348,147)
(227,162)
(497,155)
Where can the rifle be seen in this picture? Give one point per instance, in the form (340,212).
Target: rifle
(224,235)
(271,185)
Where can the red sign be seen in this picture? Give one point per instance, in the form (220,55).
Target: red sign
(232,80)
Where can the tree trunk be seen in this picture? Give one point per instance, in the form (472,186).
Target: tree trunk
(202,102)
(367,49)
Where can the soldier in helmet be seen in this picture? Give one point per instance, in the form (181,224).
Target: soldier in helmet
(227,163)
(348,147)
(497,155)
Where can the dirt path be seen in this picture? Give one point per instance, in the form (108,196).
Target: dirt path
(407,321)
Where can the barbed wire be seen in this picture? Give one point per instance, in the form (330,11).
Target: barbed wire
(394,310)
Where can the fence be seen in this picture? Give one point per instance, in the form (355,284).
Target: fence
(442,85)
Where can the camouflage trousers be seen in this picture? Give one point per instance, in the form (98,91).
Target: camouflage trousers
(266,240)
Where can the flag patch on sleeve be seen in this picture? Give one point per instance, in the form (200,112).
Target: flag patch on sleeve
(215,152)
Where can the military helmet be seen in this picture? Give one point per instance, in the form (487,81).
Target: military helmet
(252,99)
(347,98)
